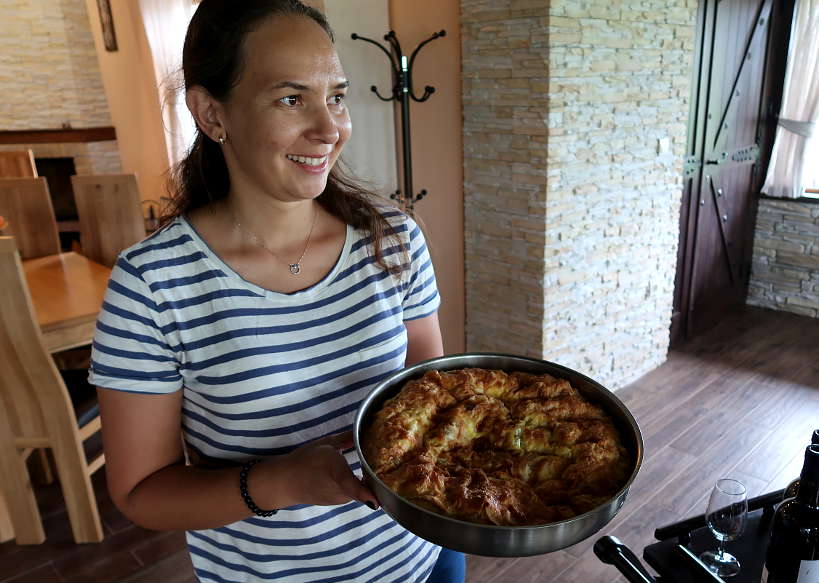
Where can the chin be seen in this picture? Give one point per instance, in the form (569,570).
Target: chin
(314,190)
(307,193)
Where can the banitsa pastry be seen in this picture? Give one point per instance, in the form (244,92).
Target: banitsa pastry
(494,447)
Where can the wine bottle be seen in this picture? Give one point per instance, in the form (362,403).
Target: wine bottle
(793,550)
(793,487)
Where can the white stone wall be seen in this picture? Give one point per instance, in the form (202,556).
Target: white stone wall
(785,269)
(504,137)
(618,89)
(574,134)
(51,79)
(48,67)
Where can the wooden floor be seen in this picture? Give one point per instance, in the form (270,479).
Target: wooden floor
(740,401)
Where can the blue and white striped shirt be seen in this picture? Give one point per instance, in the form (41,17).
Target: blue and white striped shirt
(263,373)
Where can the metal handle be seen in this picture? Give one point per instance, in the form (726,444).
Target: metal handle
(611,551)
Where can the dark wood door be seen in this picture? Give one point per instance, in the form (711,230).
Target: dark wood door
(733,90)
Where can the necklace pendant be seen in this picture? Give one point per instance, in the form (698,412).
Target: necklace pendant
(295,268)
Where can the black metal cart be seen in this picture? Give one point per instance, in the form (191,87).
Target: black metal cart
(674,556)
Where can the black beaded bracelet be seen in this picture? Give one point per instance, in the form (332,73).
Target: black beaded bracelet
(246,495)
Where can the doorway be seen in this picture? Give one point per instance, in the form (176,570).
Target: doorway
(737,79)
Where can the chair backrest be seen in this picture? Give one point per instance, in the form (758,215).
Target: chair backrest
(110,213)
(36,412)
(17,164)
(32,391)
(25,203)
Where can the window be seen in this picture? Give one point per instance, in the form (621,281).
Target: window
(793,171)
(811,168)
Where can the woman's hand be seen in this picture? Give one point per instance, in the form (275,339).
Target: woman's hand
(320,475)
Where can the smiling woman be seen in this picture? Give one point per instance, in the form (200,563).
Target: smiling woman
(277,294)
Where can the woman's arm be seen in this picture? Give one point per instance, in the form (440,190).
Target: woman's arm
(423,339)
(150,484)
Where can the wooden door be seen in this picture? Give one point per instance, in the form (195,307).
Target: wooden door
(734,88)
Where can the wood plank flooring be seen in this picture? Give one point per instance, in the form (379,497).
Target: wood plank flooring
(739,401)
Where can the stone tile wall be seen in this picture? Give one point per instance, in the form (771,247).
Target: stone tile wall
(48,67)
(51,79)
(574,133)
(504,72)
(785,269)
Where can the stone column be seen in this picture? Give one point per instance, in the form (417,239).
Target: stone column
(575,118)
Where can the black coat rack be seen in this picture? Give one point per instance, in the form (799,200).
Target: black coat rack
(402,92)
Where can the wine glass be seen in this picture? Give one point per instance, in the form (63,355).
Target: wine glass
(725,516)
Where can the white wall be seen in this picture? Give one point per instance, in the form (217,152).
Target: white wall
(370,153)
(130,86)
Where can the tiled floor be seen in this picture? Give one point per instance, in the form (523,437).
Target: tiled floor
(127,549)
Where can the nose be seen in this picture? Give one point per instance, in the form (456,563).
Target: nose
(324,127)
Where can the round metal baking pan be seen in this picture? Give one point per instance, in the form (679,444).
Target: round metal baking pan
(490,540)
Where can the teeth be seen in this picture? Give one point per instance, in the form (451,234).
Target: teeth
(306,160)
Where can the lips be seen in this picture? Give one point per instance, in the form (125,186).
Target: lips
(311,164)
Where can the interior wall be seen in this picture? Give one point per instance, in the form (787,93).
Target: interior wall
(619,90)
(505,105)
(785,269)
(52,80)
(133,100)
(48,70)
(575,123)
(437,160)
(370,152)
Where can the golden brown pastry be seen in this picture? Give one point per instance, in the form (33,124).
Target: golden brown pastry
(498,448)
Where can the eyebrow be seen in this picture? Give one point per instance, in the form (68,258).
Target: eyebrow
(300,87)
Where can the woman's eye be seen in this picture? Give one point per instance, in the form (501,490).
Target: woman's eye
(290,100)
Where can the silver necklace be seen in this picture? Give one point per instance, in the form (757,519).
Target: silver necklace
(295,268)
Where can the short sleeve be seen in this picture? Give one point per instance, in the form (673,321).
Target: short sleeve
(421,296)
(130,351)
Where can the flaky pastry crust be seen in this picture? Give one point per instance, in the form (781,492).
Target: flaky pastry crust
(493,447)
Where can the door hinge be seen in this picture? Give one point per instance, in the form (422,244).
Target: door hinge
(746,154)
(690,166)
(742,155)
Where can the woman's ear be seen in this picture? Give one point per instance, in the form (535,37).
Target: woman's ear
(207,112)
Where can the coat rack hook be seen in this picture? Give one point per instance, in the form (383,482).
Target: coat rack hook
(402,92)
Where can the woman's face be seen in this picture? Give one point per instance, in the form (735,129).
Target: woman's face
(286,120)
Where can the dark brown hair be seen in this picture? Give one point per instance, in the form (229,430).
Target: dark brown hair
(212,58)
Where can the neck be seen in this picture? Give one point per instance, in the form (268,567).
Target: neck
(276,223)
(809,480)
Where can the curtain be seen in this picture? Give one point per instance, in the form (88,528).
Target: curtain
(796,140)
(166,22)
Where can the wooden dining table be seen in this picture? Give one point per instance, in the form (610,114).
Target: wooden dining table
(67,291)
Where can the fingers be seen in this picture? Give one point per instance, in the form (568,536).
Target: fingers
(366,495)
(337,484)
(358,490)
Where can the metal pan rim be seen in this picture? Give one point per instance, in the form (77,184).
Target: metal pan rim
(456,360)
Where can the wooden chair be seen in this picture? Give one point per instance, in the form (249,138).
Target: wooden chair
(37,412)
(26,205)
(110,214)
(17,164)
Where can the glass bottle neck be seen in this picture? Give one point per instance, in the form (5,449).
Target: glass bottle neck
(809,479)
(808,493)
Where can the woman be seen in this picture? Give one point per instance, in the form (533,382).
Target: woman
(277,296)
